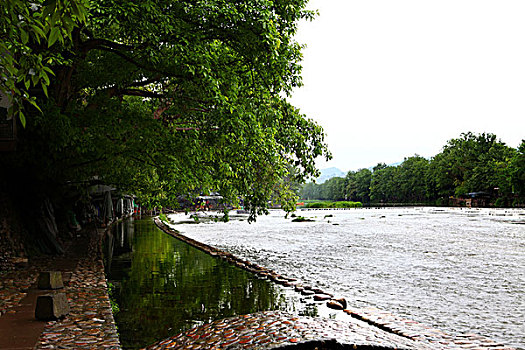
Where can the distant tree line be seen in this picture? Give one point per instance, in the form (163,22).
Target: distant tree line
(472,163)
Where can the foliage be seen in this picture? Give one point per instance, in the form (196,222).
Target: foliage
(347,204)
(226,216)
(163,218)
(516,171)
(470,163)
(357,185)
(163,98)
(112,299)
(30,34)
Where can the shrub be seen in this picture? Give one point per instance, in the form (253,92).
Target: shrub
(317,205)
(163,218)
(302,219)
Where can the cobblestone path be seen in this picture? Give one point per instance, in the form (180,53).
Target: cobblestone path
(90,324)
(272,329)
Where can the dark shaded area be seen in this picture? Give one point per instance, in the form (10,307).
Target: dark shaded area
(330,344)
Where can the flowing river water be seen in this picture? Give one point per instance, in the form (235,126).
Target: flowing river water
(459,270)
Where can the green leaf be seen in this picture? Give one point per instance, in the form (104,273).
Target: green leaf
(53,36)
(35,105)
(40,33)
(25,36)
(44,76)
(47,69)
(34,79)
(49,7)
(22,118)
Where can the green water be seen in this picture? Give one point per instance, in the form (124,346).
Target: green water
(164,286)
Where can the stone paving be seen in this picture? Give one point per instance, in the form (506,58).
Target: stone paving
(273,329)
(13,285)
(419,332)
(90,324)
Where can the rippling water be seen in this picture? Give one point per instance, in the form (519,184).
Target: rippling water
(461,271)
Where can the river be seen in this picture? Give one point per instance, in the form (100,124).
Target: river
(459,270)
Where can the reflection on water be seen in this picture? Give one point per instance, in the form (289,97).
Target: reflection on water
(164,286)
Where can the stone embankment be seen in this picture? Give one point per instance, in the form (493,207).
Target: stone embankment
(90,323)
(419,336)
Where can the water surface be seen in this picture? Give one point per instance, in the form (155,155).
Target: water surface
(164,286)
(462,271)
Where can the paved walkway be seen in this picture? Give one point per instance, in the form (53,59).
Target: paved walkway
(89,325)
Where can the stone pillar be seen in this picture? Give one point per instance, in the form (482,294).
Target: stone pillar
(51,306)
(50,280)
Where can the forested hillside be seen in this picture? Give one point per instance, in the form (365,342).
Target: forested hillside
(468,166)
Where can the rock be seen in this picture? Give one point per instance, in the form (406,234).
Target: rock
(321,297)
(342,301)
(332,304)
(50,280)
(51,306)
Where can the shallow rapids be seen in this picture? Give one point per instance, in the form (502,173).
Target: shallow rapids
(460,270)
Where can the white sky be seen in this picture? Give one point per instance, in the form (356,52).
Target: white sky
(388,79)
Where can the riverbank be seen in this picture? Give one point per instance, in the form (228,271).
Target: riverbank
(388,323)
(90,323)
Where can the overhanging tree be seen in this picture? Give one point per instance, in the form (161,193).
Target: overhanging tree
(164,98)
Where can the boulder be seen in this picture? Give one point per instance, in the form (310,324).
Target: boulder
(332,304)
(50,280)
(342,301)
(322,297)
(51,306)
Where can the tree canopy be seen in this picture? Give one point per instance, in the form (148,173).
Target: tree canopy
(160,98)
